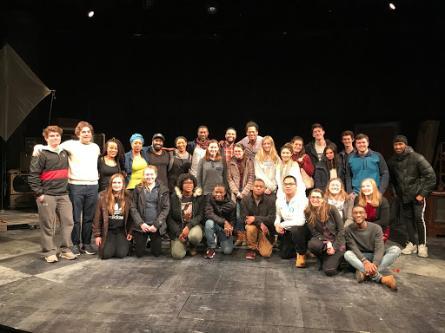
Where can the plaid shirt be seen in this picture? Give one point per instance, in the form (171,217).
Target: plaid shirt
(228,150)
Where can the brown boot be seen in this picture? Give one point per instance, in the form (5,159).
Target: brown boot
(389,281)
(241,238)
(301,261)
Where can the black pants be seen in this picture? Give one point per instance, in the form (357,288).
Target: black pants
(329,263)
(294,241)
(116,245)
(140,239)
(412,216)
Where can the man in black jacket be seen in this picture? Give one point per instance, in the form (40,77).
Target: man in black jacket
(413,180)
(258,211)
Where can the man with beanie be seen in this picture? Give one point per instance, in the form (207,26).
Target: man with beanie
(159,157)
(413,180)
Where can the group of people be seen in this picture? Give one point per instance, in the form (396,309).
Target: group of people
(306,199)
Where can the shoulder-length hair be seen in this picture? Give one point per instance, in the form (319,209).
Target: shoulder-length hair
(376,196)
(218,153)
(302,151)
(314,214)
(261,155)
(343,195)
(120,149)
(113,197)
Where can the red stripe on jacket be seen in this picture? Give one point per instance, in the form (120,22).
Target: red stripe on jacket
(54,174)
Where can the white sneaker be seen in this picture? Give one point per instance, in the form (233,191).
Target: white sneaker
(410,248)
(51,259)
(423,251)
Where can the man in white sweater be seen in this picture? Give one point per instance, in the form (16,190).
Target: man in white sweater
(82,185)
(290,223)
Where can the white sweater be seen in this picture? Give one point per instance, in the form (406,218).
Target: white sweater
(82,161)
(290,214)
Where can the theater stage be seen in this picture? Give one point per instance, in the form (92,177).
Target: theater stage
(227,294)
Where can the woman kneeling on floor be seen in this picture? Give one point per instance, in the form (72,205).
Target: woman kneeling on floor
(186,216)
(112,224)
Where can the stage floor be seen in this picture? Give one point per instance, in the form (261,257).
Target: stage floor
(226,294)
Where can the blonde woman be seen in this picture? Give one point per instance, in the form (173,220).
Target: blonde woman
(375,204)
(266,162)
(336,196)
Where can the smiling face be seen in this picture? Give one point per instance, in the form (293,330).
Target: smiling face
(252,133)
(85,135)
(367,188)
(298,146)
(362,146)
(158,144)
(112,149)
(267,145)
(399,147)
(230,135)
(359,215)
(347,141)
(203,133)
(181,145)
(213,149)
(334,187)
(286,155)
(149,176)
(289,186)
(117,184)
(316,199)
(318,133)
(219,192)
(238,153)
(53,139)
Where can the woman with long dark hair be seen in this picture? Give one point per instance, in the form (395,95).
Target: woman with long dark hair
(110,162)
(112,224)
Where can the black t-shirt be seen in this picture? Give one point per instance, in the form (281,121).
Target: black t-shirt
(116,221)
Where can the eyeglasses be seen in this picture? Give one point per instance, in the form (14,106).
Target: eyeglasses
(289,184)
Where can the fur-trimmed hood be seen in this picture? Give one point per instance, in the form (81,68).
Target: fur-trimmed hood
(197,191)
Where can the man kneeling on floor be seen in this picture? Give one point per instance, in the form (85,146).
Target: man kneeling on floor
(367,252)
(258,212)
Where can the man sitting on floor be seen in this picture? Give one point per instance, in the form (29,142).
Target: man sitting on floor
(367,252)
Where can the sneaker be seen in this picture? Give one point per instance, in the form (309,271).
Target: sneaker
(360,276)
(76,250)
(89,249)
(210,254)
(410,248)
(301,261)
(250,255)
(67,255)
(389,281)
(51,259)
(422,251)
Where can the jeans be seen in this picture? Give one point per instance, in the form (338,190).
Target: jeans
(213,229)
(84,200)
(391,254)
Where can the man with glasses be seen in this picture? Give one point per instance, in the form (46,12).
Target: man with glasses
(290,223)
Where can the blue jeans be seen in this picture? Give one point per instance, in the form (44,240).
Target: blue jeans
(212,229)
(239,224)
(84,200)
(391,254)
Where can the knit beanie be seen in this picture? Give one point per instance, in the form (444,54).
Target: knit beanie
(400,138)
(136,136)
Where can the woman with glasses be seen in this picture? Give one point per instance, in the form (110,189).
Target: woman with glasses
(328,236)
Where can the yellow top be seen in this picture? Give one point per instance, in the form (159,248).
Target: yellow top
(137,172)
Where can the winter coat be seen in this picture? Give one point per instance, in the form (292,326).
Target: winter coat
(138,208)
(334,226)
(233,177)
(175,223)
(220,211)
(411,174)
